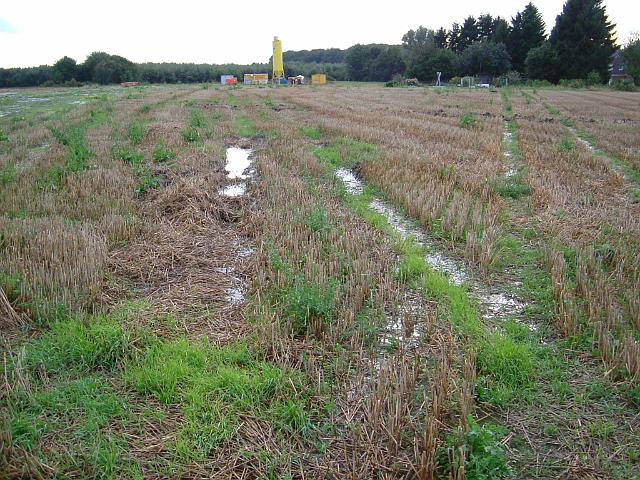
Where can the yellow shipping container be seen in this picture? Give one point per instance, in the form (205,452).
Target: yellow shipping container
(318,79)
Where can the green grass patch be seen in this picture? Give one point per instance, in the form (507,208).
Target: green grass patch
(147,180)
(136,132)
(49,410)
(79,153)
(100,343)
(345,153)
(514,187)
(216,385)
(3,136)
(245,128)
(318,220)
(311,132)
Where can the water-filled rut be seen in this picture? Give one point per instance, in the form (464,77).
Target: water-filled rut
(493,305)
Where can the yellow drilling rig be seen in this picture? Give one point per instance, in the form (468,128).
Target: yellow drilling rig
(278,63)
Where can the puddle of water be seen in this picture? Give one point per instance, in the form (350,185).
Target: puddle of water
(246,252)
(353,185)
(507,140)
(235,190)
(493,305)
(235,295)
(237,167)
(237,162)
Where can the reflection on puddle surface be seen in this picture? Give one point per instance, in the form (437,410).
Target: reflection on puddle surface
(235,295)
(354,186)
(493,304)
(237,162)
(234,190)
(237,166)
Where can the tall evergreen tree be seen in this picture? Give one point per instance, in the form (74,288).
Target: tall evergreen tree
(453,37)
(440,38)
(583,38)
(468,33)
(485,26)
(527,32)
(500,30)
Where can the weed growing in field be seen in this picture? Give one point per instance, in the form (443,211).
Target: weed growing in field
(101,343)
(567,145)
(132,157)
(79,153)
(46,412)
(514,187)
(136,132)
(3,136)
(306,302)
(483,453)
(318,220)
(467,120)
(162,153)
(197,119)
(50,179)
(147,180)
(190,135)
(215,385)
(8,174)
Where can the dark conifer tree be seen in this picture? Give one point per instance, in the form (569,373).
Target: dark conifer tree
(468,33)
(527,32)
(440,38)
(583,38)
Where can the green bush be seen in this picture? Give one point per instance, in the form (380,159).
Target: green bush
(621,86)
(573,83)
(593,78)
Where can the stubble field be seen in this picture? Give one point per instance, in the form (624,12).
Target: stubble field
(402,283)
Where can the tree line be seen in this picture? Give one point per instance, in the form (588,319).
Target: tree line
(579,47)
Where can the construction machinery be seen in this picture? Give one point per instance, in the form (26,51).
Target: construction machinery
(278,63)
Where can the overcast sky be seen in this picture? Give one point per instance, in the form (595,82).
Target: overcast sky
(40,32)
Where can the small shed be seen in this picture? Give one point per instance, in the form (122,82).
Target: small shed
(256,78)
(228,80)
(318,79)
(484,80)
